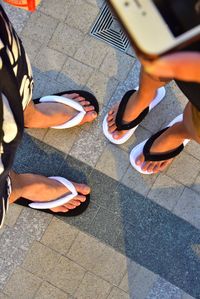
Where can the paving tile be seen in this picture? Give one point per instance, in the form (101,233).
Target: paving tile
(47,291)
(166,191)
(113,162)
(40,27)
(196,185)
(17,16)
(102,184)
(14,237)
(132,270)
(33,222)
(3,296)
(118,294)
(188,207)
(66,275)
(12,215)
(117,64)
(91,52)
(130,83)
(50,61)
(86,250)
(58,10)
(104,89)
(92,287)
(22,283)
(65,33)
(40,83)
(88,147)
(139,135)
(142,283)
(184,169)
(6,269)
(83,222)
(76,71)
(59,236)
(106,226)
(31,46)
(138,182)
(165,290)
(193,149)
(62,140)
(36,157)
(107,268)
(98,3)
(37,133)
(186,296)
(82,10)
(75,170)
(40,260)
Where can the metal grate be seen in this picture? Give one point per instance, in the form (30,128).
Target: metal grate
(108,29)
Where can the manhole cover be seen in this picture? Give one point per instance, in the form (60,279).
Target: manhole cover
(108,29)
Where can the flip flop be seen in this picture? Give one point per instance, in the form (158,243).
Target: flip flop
(58,98)
(132,126)
(45,206)
(145,147)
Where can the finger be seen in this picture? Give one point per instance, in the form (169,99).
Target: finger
(182,65)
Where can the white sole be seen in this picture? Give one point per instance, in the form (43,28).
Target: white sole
(138,149)
(159,97)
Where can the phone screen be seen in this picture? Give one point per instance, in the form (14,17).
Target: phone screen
(180,15)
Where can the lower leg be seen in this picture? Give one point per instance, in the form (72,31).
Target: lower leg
(137,103)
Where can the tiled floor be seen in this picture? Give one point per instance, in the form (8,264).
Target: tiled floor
(140,237)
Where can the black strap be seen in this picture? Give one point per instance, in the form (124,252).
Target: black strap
(120,113)
(161,156)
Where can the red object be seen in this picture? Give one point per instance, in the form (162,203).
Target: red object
(30,4)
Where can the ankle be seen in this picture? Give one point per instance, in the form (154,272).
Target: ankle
(17,186)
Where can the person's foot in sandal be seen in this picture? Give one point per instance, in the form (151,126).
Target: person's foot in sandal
(63,110)
(123,119)
(54,194)
(156,153)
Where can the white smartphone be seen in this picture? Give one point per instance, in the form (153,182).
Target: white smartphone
(158,26)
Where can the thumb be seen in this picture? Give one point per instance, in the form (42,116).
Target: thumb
(182,66)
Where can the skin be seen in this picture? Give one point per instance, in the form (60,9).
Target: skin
(182,66)
(39,188)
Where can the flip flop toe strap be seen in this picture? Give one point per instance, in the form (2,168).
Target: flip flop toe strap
(121,109)
(60,201)
(69,102)
(162,156)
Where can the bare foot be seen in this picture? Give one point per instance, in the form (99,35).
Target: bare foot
(165,143)
(44,115)
(133,109)
(40,189)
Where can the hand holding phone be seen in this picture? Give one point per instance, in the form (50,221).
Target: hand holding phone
(157,27)
(184,66)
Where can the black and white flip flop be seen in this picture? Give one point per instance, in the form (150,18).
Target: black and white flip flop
(58,97)
(46,206)
(145,146)
(132,126)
